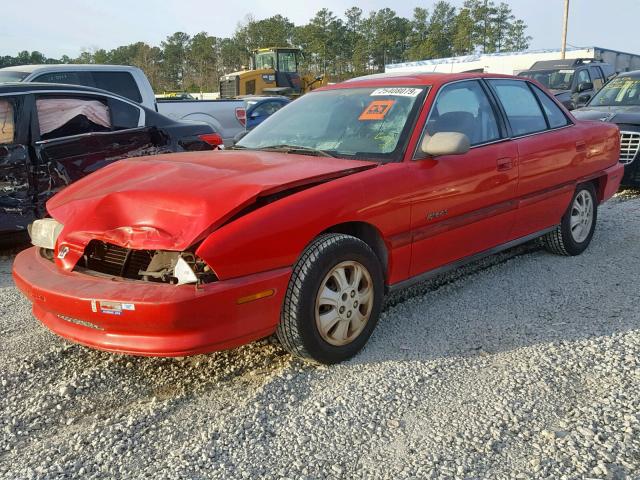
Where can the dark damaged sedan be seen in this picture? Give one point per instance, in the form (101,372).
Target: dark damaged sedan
(619,102)
(52,135)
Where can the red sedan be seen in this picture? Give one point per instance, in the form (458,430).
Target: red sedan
(352,191)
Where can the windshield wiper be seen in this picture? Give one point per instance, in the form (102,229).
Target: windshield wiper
(297,149)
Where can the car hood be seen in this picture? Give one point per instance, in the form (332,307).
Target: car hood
(615,114)
(169,202)
(557,93)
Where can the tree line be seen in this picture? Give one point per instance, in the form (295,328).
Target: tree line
(340,47)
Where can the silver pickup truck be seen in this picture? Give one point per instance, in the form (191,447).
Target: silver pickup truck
(226,117)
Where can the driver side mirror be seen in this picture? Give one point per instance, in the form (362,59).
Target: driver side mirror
(445,143)
(585,86)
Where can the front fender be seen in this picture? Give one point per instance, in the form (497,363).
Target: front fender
(274,235)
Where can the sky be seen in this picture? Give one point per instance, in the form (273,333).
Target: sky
(69,26)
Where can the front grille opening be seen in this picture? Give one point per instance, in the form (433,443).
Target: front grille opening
(629,146)
(146,265)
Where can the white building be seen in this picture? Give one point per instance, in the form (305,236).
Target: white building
(512,63)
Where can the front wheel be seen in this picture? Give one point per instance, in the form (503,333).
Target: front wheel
(573,235)
(333,300)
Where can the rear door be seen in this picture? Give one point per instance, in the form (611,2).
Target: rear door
(79,134)
(16,186)
(548,145)
(464,204)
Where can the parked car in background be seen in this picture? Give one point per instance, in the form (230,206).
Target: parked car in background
(619,103)
(258,109)
(572,81)
(224,116)
(52,135)
(351,191)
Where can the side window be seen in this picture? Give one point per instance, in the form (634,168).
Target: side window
(71,78)
(520,105)
(597,76)
(583,76)
(121,83)
(554,115)
(7,122)
(464,107)
(123,115)
(66,116)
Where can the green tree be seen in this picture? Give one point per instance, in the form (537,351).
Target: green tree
(175,59)
(463,33)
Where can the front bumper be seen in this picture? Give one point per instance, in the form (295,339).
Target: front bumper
(151,319)
(632,174)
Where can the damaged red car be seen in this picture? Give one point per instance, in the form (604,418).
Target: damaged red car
(350,192)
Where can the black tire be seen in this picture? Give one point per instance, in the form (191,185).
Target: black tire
(561,241)
(17,240)
(297,330)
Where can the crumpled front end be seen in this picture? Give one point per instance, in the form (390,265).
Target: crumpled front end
(150,318)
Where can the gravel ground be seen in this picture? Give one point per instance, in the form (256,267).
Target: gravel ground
(526,365)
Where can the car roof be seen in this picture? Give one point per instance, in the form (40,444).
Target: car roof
(570,63)
(632,74)
(262,98)
(399,79)
(67,67)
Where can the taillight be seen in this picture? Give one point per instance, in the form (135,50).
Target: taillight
(241,115)
(212,139)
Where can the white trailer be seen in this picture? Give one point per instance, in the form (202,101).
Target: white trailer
(512,63)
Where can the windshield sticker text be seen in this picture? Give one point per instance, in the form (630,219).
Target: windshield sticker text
(377,110)
(396,91)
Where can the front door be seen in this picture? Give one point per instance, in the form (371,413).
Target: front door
(79,134)
(16,189)
(468,201)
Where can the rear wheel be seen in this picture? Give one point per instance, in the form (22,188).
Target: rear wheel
(573,235)
(333,300)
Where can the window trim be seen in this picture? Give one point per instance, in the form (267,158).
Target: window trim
(503,127)
(35,93)
(143,114)
(14,111)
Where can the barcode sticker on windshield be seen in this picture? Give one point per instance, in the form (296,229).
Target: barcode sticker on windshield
(397,91)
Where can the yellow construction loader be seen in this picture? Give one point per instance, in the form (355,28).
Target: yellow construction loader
(273,71)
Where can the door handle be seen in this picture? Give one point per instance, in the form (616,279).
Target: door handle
(581,146)
(504,164)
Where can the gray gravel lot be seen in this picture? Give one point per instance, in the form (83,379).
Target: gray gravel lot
(526,365)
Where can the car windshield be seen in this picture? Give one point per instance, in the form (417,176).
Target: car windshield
(619,91)
(366,123)
(12,76)
(552,79)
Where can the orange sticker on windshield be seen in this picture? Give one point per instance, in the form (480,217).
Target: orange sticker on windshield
(377,110)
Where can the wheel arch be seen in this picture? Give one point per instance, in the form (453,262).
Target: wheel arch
(599,183)
(369,234)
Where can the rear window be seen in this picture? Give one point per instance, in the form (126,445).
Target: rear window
(521,106)
(72,78)
(12,76)
(121,83)
(7,122)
